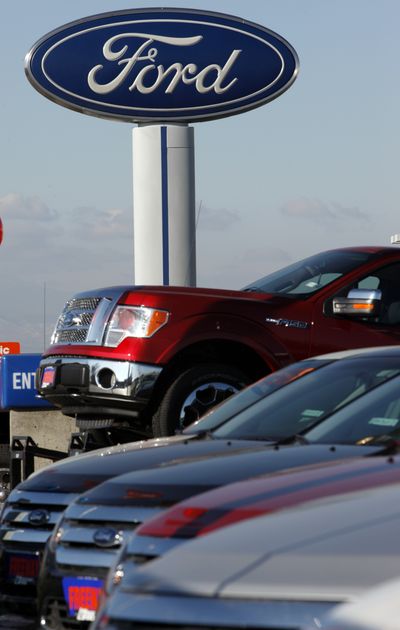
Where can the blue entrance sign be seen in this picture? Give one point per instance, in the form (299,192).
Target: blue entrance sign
(167,65)
(17,382)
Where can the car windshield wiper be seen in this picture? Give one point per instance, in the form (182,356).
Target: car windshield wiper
(255,438)
(297,438)
(253,290)
(205,434)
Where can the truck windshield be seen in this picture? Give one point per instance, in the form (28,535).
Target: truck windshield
(311,274)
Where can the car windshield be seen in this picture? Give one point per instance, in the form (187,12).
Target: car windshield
(309,400)
(374,415)
(253,393)
(311,274)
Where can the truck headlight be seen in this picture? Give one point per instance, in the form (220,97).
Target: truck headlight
(134,321)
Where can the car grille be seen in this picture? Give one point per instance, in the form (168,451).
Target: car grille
(83,524)
(27,522)
(75,320)
(29,518)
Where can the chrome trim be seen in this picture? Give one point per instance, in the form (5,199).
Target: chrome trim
(15,527)
(41,498)
(365,294)
(25,536)
(109,513)
(12,515)
(174,611)
(85,317)
(150,546)
(77,535)
(76,545)
(100,319)
(93,557)
(132,380)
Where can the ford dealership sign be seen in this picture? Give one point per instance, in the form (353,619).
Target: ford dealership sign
(162,65)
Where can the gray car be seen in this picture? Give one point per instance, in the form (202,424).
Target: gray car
(279,571)
(376,609)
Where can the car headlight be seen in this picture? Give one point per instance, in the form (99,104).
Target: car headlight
(134,321)
(116,572)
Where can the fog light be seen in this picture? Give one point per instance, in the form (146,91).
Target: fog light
(106,378)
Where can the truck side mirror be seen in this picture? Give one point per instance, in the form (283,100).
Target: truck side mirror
(359,303)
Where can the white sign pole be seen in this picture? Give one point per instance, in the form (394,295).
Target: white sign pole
(164,223)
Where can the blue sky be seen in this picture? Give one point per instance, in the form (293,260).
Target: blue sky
(316,168)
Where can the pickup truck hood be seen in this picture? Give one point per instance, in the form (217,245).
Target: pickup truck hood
(328,550)
(164,485)
(189,292)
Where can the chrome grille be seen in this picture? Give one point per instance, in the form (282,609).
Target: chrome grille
(71,336)
(18,530)
(76,546)
(75,320)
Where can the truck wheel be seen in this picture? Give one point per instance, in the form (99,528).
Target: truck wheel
(194,393)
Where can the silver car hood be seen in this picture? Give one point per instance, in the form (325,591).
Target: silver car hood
(327,550)
(376,609)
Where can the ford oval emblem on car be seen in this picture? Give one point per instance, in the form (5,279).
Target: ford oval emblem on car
(39,517)
(162,65)
(107,537)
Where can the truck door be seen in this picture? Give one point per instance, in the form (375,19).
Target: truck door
(336,332)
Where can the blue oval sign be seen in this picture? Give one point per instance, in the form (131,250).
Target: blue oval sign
(161,65)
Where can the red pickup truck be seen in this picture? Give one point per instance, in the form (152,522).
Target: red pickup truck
(153,359)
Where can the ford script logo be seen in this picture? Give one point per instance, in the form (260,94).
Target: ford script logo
(107,537)
(39,517)
(162,65)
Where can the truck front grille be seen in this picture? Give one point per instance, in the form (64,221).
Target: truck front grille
(75,320)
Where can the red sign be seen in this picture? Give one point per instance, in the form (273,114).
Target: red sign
(24,566)
(9,347)
(83,597)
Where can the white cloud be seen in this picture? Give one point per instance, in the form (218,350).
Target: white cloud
(321,212)
(14,206)
(89,222)
(216,220)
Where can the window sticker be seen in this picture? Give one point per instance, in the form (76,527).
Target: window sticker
(384,422)
(312,413)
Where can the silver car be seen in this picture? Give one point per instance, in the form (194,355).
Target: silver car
(278,571)
(376,609)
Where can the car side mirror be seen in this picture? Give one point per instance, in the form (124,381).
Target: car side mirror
(359,303)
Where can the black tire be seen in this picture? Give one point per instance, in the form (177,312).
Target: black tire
(193,393)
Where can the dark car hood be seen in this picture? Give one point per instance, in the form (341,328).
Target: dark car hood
(165,485)
(80,473)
